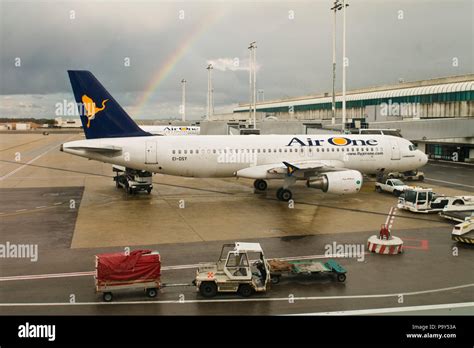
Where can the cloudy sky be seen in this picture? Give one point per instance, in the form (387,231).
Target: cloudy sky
(140,50)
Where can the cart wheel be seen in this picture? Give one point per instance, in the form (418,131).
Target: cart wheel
(107,296)
(148,190)
(378,189)
(275,279)
(396,193)
(341,277)
(245,290)
(208,289)
(152,292)
(421,178)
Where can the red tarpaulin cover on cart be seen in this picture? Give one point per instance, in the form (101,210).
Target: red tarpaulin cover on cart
(138,265)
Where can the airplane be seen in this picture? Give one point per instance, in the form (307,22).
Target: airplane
(331,163)
(172,130)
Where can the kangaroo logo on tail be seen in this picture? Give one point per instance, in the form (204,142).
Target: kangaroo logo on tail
(91,108)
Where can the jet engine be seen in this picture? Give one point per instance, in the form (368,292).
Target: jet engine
(340,182)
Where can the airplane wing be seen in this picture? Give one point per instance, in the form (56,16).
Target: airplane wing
(299,170)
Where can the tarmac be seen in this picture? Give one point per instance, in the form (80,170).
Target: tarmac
(70,208)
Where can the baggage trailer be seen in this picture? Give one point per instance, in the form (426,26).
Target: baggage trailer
(307,268)
(139,269)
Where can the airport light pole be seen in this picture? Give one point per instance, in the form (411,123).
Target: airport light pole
(210,107)
(344,65)
(337,7)
(252,82)
(183,100)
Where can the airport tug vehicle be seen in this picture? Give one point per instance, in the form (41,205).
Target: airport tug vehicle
(411,175)
(242,268)
(424,200)
(132,180)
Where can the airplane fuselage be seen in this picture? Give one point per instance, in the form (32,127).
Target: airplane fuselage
(224,156)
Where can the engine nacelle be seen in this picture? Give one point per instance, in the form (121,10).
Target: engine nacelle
(341,182)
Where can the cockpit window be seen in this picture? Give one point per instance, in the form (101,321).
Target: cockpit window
(412,147)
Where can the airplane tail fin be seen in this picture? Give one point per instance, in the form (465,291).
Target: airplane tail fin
(101,115)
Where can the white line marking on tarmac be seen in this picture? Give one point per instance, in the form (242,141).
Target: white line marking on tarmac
(450,182)
(30,161)
(41,206)
(58,203)
(395,309)
(262,299)
(165,268)
(17,211)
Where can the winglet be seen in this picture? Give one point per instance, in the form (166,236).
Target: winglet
(290,168)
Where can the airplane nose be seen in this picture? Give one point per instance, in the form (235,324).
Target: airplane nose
(424,158)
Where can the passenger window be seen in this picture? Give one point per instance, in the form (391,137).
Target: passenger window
(258,150)
(286,150)
(263,150)
(179,152)
(174,151)
(332,149)
(279,150)
(214,151)
(190,152)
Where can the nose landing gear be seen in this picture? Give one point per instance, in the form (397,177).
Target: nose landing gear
(260,185)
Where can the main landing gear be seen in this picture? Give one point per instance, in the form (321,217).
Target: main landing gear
(283,194)
(260,185)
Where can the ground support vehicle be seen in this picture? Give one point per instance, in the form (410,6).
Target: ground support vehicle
(464,232)
(139,269)
(394,186)
(133,181)
(424,200)
(412,175)
(242,268)
(304,268)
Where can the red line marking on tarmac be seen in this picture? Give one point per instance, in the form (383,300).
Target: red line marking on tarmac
(423,244)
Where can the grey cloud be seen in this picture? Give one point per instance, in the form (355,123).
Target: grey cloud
(294,55)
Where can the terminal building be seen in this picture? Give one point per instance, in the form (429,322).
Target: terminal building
(437,115)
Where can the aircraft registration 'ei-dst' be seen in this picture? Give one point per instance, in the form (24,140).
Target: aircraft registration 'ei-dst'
(331,163)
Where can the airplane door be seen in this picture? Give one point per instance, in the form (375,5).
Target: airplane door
(395,149)
(150,153)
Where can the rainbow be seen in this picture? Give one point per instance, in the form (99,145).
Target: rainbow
(165,69)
